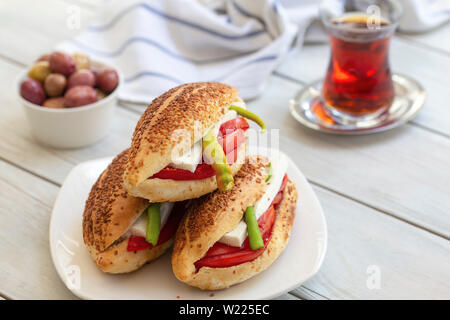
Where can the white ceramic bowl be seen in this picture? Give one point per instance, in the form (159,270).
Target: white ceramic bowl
(71,127)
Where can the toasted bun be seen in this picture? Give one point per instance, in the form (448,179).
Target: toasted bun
(163,190)
(212,216)
(174,121)
(220,278)
(116,259)
(109,213)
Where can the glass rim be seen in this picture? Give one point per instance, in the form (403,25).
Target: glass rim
(392,23)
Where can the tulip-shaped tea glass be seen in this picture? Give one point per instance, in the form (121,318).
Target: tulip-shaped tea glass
(358,84)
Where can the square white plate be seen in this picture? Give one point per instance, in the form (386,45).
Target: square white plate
(300,260)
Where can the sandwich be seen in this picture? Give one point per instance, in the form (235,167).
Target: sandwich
(190,141)
(123,232)
(227,237)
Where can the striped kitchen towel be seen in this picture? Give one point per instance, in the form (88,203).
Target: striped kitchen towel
(159,44)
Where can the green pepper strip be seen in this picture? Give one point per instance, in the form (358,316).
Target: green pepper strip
(249,115)
(153,223)
(214,154)
(254,234)
(269,172)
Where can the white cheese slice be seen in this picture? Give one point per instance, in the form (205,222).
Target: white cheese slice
(139,228)
(192,157)
(237,236)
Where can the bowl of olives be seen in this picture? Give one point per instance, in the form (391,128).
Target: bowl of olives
(69,99)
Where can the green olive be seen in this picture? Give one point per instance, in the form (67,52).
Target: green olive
(39,71)
(82,60)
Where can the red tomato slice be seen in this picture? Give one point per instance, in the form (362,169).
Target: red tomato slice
(229,260)
(232,125)
(220,248)
(283,183)
(167,232)
(230,142)
(202,171)
(278,198)
(138,243)
(221,255)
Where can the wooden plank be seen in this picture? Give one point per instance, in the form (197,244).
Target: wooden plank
(31,28)
(87,4)
(422,64)
(438,39)
(307,294)
(27,271)
(286,296)
(412,263)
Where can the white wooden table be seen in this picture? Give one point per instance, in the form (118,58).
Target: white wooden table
(386,197)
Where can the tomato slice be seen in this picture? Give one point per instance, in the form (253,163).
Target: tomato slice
(278,198)
(136,243)
(231,136)
(221,255)
(232,125)
(232,141)
(265,223)
(284,182)
(221,248)
(202,171)
(229,260)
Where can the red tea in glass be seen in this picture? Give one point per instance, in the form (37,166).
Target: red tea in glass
(358,80)
(358,83)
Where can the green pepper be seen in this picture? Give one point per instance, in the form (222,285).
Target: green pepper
(269,172)
(213,152)
(254,234)
(249,115)
(153,223)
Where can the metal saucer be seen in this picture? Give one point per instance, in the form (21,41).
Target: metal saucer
(307,108)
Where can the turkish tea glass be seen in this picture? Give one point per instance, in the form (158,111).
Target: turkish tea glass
(358,84)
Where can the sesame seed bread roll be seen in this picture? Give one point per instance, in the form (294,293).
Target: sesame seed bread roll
(216,214)
(163,190)
(191,109)
(109,213)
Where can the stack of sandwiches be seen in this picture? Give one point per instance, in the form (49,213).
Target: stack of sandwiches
(186,182)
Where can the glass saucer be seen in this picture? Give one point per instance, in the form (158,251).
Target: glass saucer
(308,109)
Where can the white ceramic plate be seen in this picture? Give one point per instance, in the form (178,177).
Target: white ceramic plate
(300,260)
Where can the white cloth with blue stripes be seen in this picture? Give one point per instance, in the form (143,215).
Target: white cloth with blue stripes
(159,44)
